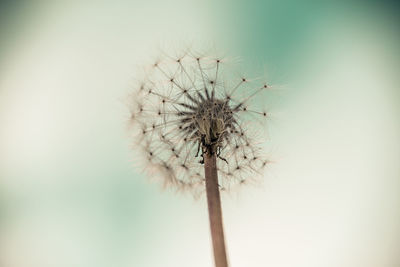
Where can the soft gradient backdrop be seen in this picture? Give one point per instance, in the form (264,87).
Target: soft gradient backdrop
(70,196)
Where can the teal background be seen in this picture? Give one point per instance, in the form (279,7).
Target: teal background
(72,195)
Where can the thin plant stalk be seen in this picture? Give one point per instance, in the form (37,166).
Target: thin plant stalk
(214,210)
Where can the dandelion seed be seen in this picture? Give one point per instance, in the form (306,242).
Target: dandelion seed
(188,108)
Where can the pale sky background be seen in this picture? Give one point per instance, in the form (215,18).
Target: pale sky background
(69,192)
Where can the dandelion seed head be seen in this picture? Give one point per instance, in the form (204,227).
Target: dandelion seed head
(191,105)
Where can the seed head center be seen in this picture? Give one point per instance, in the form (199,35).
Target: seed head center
(213,118)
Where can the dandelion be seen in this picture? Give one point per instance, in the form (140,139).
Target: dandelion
(193,123)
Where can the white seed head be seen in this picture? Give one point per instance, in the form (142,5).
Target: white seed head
(187,106)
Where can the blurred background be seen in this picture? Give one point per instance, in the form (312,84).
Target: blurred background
(71,196)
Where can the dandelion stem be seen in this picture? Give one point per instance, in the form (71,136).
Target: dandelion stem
(214,209)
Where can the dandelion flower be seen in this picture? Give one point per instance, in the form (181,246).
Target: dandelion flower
(192,121)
